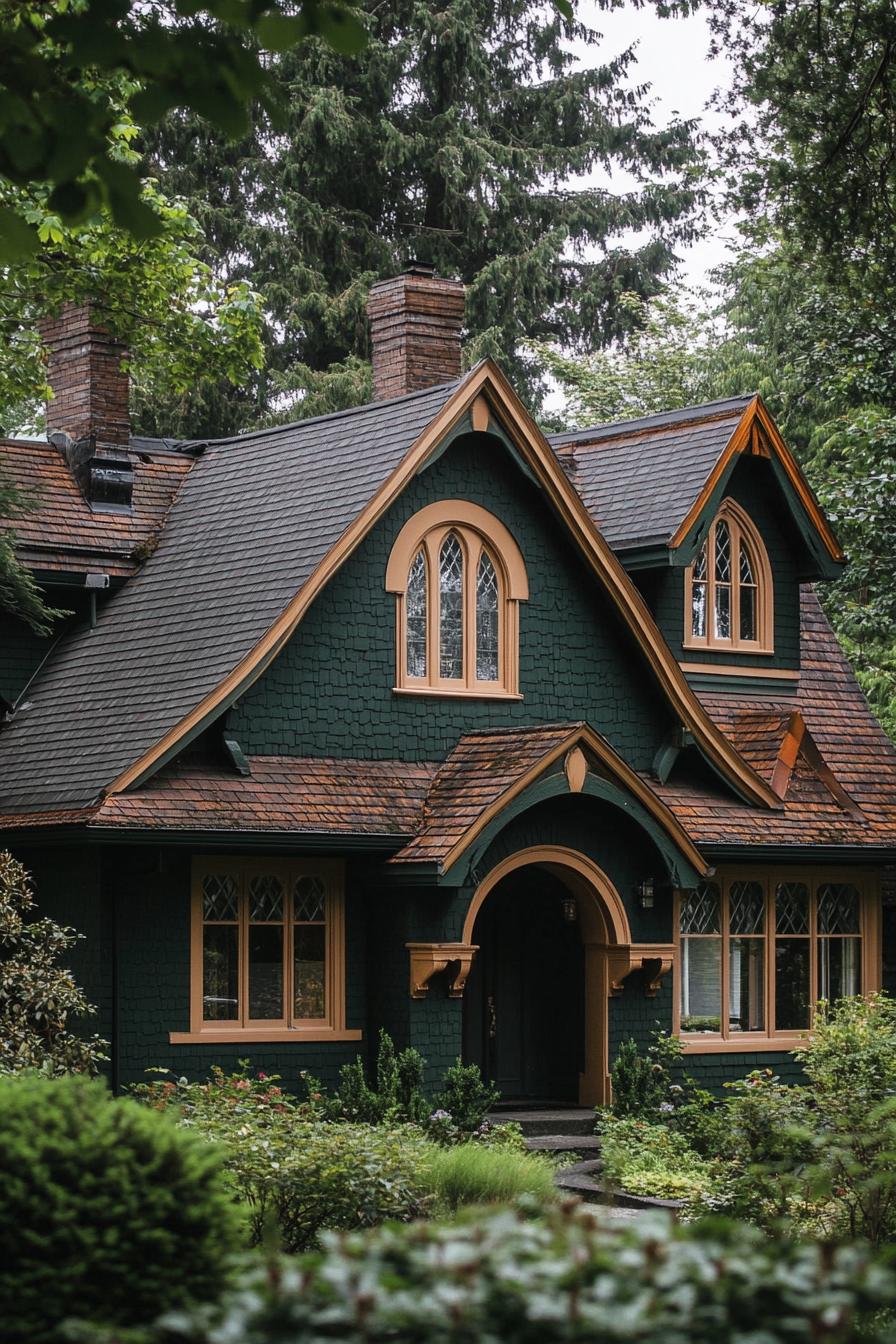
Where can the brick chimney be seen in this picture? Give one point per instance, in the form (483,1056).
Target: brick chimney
(415,323)
(87,416)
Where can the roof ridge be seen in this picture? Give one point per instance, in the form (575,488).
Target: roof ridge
(625,429)
(329,416)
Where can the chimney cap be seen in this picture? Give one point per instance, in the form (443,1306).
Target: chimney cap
(419,268)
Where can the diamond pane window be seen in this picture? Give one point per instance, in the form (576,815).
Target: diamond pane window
(838,908)
(791,908)
(700,909)
(265,898)
(746,907)
(451,609)
(728,587)
(309,899)
(269,939)
(723,552)
(486,620)
(416,617)
(219,897)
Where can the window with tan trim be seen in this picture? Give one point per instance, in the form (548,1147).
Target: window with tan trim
(758,949)
(268,950)
(458,576)
(729,592)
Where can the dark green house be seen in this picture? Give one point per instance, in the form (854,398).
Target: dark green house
(411,717)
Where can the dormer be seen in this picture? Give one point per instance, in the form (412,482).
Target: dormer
(712,516)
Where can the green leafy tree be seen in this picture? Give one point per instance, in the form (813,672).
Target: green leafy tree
(67,67)
(39,998)
(459,136)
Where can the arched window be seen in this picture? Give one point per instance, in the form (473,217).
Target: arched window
(458,576)
(728,589)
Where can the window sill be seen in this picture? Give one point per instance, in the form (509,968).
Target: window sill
(715,1045)
(741,670)
(236,1036)
(756,650)
(462,693)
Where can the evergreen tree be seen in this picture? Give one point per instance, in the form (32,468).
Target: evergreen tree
(461,136)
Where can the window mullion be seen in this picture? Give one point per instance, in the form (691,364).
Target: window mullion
(433,605)
(735,581)
(725,967)
(288,1000)
(243,950)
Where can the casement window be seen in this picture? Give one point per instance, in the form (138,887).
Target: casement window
(756,951)
(268,950)
(729,593)
(459,577)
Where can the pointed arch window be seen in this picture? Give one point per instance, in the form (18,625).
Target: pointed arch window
(459,577)
(729,591)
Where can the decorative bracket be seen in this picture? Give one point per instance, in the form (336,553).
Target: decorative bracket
(428,959)
(655,959)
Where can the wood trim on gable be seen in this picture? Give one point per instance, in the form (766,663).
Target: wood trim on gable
(747,439)
(486,380)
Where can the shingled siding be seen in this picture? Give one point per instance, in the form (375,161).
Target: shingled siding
(68,888)
(752,486)
(330,692)
(152,889)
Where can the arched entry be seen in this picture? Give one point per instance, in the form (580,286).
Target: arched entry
(546,922)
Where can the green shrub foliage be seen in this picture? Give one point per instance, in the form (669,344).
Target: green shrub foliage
(465,1097)
(654,1160)
(38,996)
(568,1277)
(294,1172)
(108,1211)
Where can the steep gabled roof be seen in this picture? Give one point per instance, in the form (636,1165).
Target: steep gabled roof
(253,519)
(63,533)
(258,529)
(646,482)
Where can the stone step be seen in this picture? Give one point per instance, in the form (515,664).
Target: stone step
(584,1145)
(559,1120)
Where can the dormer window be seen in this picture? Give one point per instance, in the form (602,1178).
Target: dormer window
(728,588)
(458,576)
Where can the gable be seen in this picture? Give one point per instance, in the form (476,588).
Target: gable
(330,691)
(218,603)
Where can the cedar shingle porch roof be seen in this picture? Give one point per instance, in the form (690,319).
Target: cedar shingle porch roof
(841,728)
(63,533)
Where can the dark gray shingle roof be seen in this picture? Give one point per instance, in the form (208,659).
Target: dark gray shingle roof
(253,518)
(638,478)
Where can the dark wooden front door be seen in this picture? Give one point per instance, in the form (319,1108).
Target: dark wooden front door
(524,1001)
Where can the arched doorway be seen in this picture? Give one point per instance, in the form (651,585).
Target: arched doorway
(545,922)
(524,1011)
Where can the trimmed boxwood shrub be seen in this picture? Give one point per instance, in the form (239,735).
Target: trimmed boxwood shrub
(567,1278)
(108,1211)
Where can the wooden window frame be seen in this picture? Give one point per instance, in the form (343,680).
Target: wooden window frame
(745,1042)
(477,530)
(742,531)
(331,1026)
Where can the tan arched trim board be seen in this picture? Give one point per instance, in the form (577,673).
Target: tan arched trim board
(457,513)
(609,954)
(580,740)
(748,439)
(486,380)
(743,532)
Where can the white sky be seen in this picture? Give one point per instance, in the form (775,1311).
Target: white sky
(672,56)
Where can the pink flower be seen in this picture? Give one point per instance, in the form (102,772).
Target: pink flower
(261,1075)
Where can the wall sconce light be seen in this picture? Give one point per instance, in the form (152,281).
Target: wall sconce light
(644,892)
(570,909)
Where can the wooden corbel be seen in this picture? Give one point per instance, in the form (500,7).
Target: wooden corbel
(654,958)
(428,959)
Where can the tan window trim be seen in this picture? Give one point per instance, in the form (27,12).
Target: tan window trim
(742,529)
(332,1025)
(464,693)
(477,530)
(726,1042)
